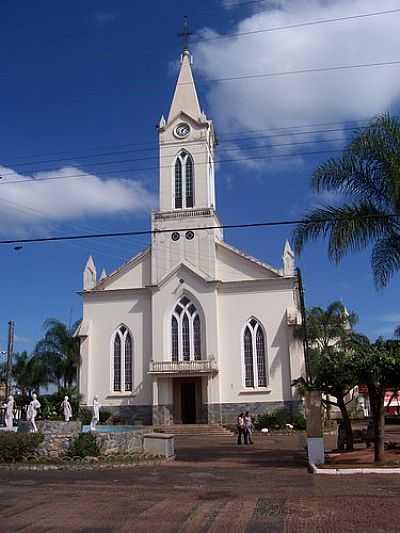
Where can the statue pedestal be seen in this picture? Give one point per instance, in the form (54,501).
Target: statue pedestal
(315,439)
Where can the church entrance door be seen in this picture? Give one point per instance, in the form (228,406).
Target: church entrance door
(188,403)
(187,400)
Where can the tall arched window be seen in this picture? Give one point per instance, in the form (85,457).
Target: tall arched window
(184,197)
(122,359)
(185,331)
(254,355)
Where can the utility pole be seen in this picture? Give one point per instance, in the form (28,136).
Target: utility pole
(10,350)
(304,324)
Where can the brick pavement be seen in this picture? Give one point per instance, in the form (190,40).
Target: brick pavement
(212,487)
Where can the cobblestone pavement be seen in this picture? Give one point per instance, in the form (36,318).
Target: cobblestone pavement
(212,487)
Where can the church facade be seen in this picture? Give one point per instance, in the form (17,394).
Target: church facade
(190,330)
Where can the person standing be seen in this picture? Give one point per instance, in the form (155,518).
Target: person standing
(248,428)
(240,428)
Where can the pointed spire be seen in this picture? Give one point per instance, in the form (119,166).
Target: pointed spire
(185,96)
(162,122)
(103,274)
(89,275)
(289,265)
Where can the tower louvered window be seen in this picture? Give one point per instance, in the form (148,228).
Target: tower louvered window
(254,355)
(122,360)
(184,181)
(185,332)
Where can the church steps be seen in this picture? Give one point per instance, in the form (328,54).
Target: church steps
(194,430)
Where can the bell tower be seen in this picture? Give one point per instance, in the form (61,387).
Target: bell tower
(187,187)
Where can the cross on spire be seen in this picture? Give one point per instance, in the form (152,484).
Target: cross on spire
(185,34)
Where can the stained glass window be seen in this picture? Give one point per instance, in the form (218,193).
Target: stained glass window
(248,358)
(128,362)
(175,345)
(189,182)
(262,378)
(185,338)
(117,362)
(178,184)
(196,338)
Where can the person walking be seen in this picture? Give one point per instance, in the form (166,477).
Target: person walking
(240,428)
(248,428)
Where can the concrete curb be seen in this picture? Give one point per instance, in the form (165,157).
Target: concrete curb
(351,471)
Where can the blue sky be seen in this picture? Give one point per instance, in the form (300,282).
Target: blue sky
(87,78)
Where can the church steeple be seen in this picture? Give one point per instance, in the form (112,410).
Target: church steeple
(185,97)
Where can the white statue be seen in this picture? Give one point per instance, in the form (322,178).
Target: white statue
(96,413)
(32,412)
(9,414)
(67,409)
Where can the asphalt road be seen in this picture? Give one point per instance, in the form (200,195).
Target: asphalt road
(212,487)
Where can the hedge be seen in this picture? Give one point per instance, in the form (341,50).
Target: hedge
(15,446)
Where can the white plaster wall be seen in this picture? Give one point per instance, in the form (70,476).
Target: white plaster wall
(132,277)
(267,301)
(232,267)
(107,311)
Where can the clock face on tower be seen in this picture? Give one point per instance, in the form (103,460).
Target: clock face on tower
(182,130)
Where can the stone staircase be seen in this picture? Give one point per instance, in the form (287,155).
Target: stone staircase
(195,430)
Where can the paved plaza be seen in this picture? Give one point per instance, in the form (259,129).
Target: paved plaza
(212,487)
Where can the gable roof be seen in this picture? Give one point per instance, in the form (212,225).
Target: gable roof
(133,261)
(188,266)
(251,259)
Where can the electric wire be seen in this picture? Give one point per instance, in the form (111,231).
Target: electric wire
(298,25)
(275,223)
(155,146)
(234,148)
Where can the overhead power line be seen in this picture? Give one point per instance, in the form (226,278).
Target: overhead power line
(154,146)
(145,169)
(194,153)
(191,228)
(299,25)
(334,68)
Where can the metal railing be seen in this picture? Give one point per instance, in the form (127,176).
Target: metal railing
(201,366)
(199,212)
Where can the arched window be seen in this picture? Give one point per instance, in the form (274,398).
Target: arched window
(185,331)
(178,183)
(184,197)
(254,355)
(122,359)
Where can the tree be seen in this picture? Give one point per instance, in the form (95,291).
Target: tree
(336,376)
(59,352)
(331,363)
(367,179)
(378,366)
(28,373)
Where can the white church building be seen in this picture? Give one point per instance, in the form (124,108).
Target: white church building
(190,330)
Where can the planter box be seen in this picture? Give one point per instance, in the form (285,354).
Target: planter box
(160,444)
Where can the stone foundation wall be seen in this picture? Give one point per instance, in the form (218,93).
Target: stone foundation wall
(55,445)
(226,413)
(120,443)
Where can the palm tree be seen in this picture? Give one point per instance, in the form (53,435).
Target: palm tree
(28,373)
(59,352)
(367,178)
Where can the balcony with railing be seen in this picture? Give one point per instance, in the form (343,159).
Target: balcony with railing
(181,368)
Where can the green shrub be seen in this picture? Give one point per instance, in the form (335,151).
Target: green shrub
(86,414)
(15,446)
(279,418)
(83,446)
(299,421)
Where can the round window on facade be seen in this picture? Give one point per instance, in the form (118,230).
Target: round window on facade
(189,235)
(175,236)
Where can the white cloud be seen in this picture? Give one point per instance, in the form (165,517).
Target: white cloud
(33,206)
(305,98)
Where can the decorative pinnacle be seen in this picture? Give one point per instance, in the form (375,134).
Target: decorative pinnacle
(185,34)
